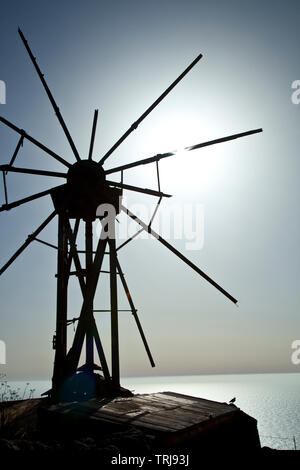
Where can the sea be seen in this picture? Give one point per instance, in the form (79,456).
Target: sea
(272,399)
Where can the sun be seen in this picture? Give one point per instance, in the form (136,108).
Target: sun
(185,170)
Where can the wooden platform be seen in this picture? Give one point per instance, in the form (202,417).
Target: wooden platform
(173,419)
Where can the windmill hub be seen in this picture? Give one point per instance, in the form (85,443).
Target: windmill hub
(86,175)
(86,189)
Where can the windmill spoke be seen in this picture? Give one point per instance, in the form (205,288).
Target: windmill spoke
(138,190)
(144,161)
(134,312)
(155,211)
(30,238)
(19,145)
(7,207)
(223,139)
(177,253)
(141,230)
(34,141)
(148,111)
(130,239)
(93,134)
(159,156)
(31,171)
(49,94)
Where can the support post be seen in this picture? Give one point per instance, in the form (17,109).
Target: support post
(115,363)
(61,306)
(88,264)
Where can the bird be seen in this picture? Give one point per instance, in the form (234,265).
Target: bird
(232,400)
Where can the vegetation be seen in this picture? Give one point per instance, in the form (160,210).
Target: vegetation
(7,393)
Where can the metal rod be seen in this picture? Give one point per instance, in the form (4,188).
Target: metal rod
(73,320)
(157,173)
(137,189)
(7,207)
(134,313)
(35,142)
(177,253)
(30,238)
(31,171)
(5,188)
(19,145)
(108,310)
(75,257)
(94,252)
(144,161)
(93,134)
(75,233)
(155,211)
(50,96)
(159,156)
(222,139)
(129,239)
(46,243)
(100,352)
(148,110)
(75,273)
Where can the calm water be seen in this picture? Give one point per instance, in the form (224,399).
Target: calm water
(273,399)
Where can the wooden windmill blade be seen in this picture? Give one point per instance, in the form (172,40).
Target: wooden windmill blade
(50,96)
(148,110)
(90,157)
(160,156)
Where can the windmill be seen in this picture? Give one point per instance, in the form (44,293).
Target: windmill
(86,188)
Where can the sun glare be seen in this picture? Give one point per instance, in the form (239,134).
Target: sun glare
(187,169)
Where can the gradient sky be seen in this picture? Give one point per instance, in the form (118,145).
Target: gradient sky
(119,57)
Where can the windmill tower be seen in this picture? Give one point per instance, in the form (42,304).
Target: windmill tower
(87,196)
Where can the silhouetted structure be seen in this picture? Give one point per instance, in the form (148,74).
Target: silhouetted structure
(86,189)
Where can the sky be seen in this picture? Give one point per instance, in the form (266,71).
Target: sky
(236,204)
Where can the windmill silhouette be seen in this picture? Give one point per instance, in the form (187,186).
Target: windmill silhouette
(85,190)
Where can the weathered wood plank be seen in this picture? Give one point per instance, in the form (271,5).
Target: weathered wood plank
(164,411)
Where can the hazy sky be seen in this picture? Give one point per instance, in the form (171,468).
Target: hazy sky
(119,57)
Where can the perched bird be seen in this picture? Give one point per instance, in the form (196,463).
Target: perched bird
(232,400)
